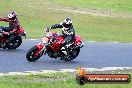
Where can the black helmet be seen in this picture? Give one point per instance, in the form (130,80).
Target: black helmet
(67,23)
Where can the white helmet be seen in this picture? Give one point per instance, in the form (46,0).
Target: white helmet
(12,15)
(67,23)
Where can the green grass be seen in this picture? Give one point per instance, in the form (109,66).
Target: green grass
(35,15)
(51,81)
(113,5)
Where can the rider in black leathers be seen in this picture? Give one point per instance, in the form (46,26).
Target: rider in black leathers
(68,33)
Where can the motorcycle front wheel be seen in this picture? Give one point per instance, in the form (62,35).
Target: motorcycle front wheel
(15,43)
(31,54)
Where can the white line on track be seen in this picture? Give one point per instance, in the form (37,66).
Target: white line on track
(64,70)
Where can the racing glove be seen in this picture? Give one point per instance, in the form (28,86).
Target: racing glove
(47,29)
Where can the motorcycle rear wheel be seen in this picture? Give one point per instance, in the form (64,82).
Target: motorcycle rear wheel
(31,57)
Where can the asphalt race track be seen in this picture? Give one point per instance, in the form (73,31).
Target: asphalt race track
(93,54)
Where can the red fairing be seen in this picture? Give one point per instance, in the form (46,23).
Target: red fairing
(39,46)
(56,46)
(77,39)
(60,38)
(3,39)
(20,30)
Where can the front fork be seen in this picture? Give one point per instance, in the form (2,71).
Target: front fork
(41,49)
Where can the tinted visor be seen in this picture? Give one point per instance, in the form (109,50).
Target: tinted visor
(66,25)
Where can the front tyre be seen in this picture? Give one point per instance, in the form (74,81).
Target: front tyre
(31,54)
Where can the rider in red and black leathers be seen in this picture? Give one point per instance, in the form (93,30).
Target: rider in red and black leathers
(68,33)
(13,23)
(13,26)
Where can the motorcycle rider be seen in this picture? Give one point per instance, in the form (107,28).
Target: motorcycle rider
(68,33)
(14,25)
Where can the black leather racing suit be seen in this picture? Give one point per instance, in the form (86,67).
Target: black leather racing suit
(69,35)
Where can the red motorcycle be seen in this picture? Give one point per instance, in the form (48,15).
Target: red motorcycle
(51,44)
(16,39)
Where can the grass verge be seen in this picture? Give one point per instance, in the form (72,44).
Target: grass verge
(51,80)
(35,15)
